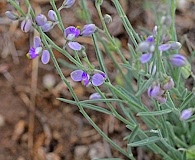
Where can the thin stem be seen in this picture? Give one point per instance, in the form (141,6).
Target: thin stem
(61,25)
(108,34)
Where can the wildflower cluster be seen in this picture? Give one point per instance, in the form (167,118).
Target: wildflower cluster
(37,49)
(158,90)
(70,35)
(147,47)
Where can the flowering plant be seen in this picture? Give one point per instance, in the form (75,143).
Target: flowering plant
(155,66)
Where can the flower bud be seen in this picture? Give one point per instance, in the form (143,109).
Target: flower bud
(107,18)
(95,96)
(168,83)
(12,15)
(152,69)
(88,30)
(186,114)
(178,60)
(68,3)
(47,26)
(40,19)
(155,30)
(52,16)
(175,45)
(26,25)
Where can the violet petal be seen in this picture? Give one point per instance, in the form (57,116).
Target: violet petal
(37,42)
(164,47)
(77,75)
(45,57)
(75,46)
(145,57)
(97,79)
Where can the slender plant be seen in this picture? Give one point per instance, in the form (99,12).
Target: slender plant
(155,67)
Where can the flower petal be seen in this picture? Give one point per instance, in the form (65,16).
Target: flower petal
(77,75)
(145,57)
(97,79)
(75,46)
(95,96)
(178,60)
(45,56)
(164,47)
(37,42)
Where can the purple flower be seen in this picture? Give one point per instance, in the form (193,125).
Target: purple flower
(71,32)
(154,90)
(47,26)
(26,25)
(37,50)
(52,16)
(145,57)
(178,60)
(45,57)
(32,54)
(12,15)
(186,114)
(68,3)
(40,19)
(95,96)
(82,76)
(150,39)
(88,30)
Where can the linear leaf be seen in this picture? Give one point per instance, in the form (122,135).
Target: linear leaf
(142,87)
(145,141)
(103,100)
(88,106)
(186,101)
(155,113)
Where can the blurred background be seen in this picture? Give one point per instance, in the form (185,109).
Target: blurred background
(33,124)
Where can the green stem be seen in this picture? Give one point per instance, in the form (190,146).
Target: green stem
(108,34)
(61,25)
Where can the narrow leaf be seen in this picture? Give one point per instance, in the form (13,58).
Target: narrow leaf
(186,101)
(88,106)
(103,100)
(155,113)
(145,141)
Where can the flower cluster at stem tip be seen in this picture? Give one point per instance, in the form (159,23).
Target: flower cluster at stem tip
(147,47)
(70,35)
